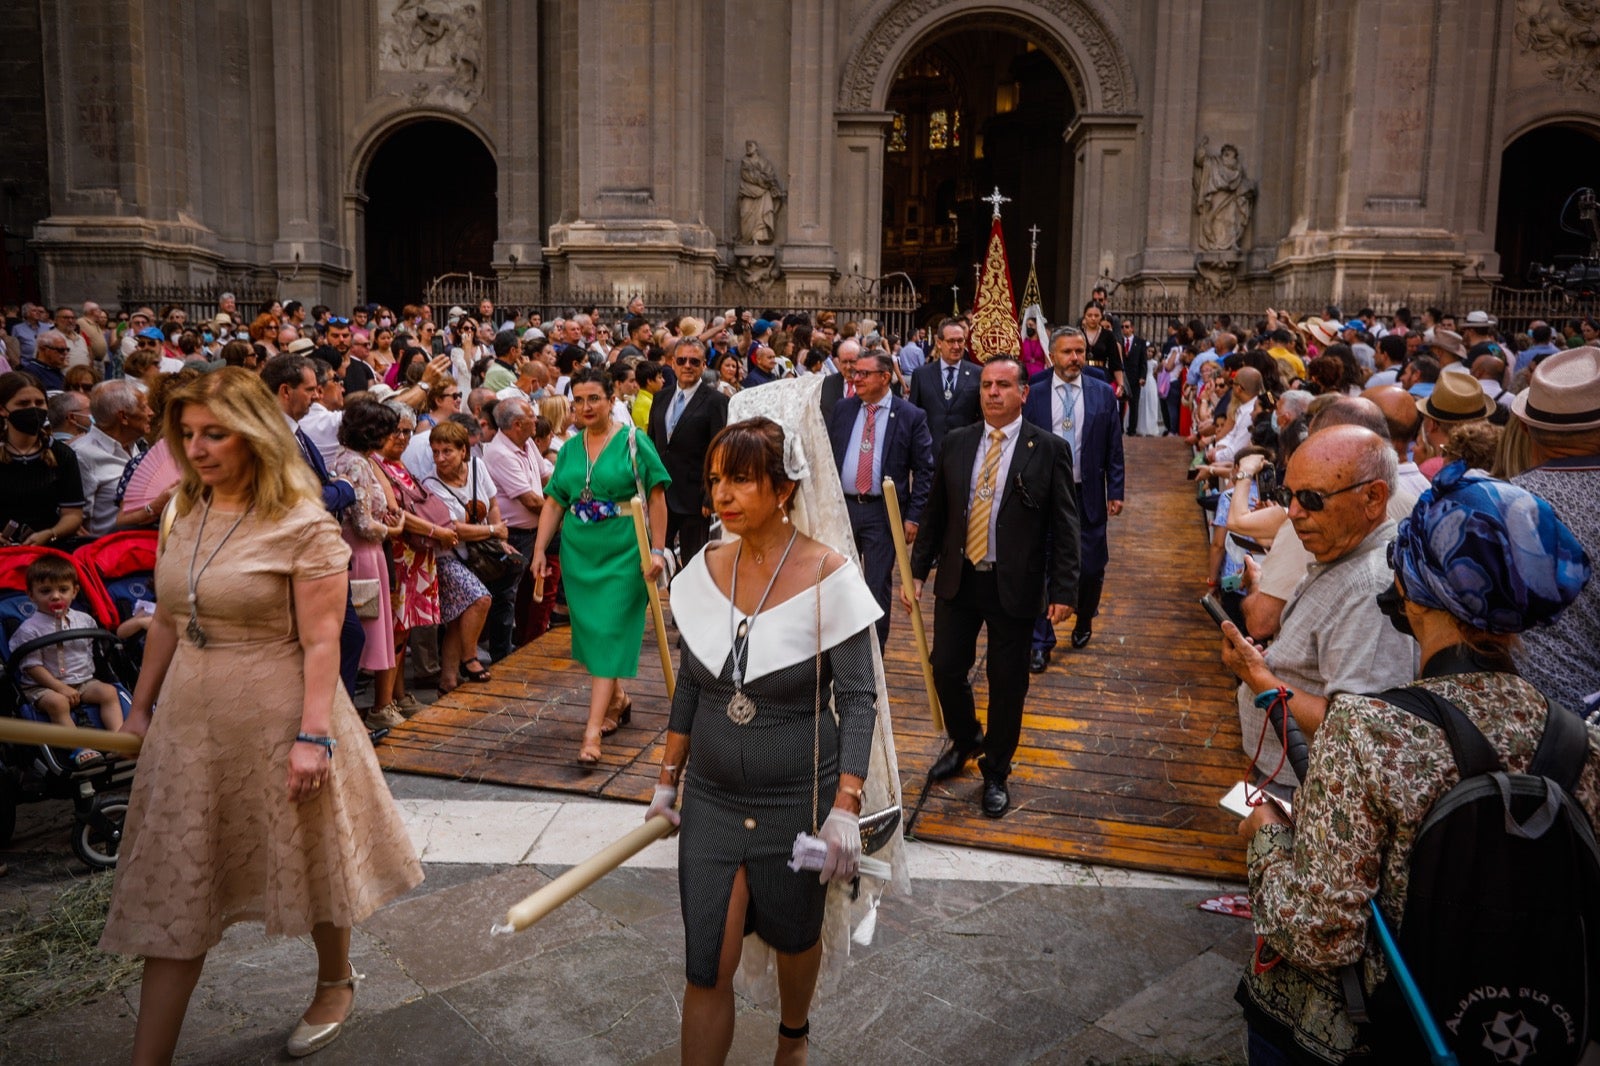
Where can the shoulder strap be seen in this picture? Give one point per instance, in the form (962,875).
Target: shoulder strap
(1563,747)
(1473,753)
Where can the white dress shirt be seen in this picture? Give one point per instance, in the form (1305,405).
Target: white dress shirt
(101,461)
(321,427)
(852,453)
(1008,446)
(1238,438)
(1059,392)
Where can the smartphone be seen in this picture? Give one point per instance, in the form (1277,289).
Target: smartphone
(1214,609)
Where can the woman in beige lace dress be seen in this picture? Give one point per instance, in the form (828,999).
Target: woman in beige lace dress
(257,796)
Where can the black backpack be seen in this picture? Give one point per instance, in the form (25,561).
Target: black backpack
(1502,918)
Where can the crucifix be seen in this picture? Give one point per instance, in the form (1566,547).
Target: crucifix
(955,299)
(1033,245)
(977,276)
(996,199)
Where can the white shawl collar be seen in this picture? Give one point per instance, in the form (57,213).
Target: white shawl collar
(787,631)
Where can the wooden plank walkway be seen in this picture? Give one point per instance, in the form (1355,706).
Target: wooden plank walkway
(1126,745)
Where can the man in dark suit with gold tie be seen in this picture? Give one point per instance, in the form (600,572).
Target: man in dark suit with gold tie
(946,388)
(1002,493)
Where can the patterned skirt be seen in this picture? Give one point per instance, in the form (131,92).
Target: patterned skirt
(459,588)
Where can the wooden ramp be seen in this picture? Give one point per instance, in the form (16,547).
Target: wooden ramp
(1126,745)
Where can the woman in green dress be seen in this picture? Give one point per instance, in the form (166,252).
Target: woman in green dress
(595,470)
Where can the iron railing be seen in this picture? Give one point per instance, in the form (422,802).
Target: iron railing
(198,301)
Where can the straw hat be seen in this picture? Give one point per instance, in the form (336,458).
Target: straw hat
(301,346)
(1456,397)
(1448,341)
(1564,394)
(1320,330)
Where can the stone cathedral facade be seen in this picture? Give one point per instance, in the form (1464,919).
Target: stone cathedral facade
(1261,147)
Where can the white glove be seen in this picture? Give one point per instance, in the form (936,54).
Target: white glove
(842,833)
(661,803)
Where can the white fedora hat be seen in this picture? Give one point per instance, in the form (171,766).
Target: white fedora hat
(1564,394)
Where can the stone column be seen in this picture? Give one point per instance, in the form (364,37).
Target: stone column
(809,258)
(858,182)
(513,30)
(1172,116)
(1104,153)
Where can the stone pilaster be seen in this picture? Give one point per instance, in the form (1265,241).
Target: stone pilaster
(809,260)
(1104,155)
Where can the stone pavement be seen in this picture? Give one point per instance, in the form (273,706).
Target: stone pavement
(992,958)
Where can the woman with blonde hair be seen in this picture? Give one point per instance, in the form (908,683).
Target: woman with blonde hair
(241,810)
(557,410)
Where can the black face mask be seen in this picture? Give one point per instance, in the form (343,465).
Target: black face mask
(29,421)
(1393,606)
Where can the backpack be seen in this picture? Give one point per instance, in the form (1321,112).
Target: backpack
(1502,916)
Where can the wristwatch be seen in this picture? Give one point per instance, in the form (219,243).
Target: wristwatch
(424,386)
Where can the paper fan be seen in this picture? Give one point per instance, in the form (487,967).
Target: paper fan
(156,473)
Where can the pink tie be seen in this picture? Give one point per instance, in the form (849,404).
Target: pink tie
(864,461)
(849,390)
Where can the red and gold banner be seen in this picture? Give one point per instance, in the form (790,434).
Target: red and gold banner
(994,313)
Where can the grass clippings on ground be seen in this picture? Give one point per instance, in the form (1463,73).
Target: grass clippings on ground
(48,958)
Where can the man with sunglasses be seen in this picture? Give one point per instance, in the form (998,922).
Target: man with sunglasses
(1333,637)
(684,416)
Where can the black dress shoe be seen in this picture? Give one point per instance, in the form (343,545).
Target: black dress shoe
(1038,659)
(1080,637)
(995,797)
(954,758)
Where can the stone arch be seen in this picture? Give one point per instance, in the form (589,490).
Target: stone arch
(373,133)
(1072,32)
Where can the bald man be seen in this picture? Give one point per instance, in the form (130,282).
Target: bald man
(1247,386)
(1405,421)
(1332,638)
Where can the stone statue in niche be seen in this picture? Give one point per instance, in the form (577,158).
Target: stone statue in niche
(440,43)
(1224,197)
(1566,34)
(760,196)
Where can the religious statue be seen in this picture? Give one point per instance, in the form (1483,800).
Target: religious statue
(760,196)
(1224,197)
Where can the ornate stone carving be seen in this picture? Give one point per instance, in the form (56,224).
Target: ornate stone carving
(1113,88)
(761,194)
(437,45)
(755,266)
(1566,35)
(1224,200)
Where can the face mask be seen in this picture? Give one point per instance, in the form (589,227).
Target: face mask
(386,321)
(29,421)
(1393,606)
(209,338)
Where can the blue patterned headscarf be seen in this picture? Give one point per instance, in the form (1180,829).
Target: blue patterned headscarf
(1490,553)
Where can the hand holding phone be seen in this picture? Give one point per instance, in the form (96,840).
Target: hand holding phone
(1214,609)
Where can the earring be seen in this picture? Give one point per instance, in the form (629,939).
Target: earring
(786,518)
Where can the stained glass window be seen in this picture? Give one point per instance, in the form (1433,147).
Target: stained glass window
(955,129)
(897,134)
(939,129)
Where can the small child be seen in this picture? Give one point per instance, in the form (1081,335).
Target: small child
(59,678)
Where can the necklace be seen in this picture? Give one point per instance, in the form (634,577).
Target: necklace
(197,635)
(587,495)
(741,708)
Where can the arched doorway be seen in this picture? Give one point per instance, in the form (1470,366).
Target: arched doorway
(1538,172)
(976,108)
(431,209)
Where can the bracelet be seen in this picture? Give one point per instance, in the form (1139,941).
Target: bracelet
(325,743)
(850,790)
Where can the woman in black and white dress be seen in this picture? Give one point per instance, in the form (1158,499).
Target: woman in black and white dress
(759,757)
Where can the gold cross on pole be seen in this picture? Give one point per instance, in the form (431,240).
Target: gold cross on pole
(996,199)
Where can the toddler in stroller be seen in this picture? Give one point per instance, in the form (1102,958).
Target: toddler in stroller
(59,678)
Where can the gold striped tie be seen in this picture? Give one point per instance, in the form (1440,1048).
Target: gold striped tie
(983,501)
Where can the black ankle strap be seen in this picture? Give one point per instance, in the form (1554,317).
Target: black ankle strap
(795,1034)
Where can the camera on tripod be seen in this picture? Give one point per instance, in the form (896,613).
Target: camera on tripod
(1575,276)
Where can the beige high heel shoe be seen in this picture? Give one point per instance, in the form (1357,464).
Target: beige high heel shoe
(308,1038)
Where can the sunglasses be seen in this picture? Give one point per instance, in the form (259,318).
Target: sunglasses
(335,320)
(449,396)
(690,362)
(1312,499)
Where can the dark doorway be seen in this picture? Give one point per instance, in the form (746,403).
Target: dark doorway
(975,109)
(431,210)
(1538,172)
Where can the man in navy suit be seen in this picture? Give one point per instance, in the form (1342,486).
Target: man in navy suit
(877,435)
(947,387)
(1082,410)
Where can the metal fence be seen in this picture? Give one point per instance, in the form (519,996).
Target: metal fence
(893,310)
(199,302)
(1513,309)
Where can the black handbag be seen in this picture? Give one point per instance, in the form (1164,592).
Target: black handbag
(491,560)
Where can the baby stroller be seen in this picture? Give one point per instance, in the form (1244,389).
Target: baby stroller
(122,567)
(32,773)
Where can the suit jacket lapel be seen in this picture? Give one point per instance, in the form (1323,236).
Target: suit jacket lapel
(1022,457)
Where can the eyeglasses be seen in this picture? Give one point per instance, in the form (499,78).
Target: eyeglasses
(1312,499)
(53,347)
(450,396)
(863,373)
(402,432)
(690,362)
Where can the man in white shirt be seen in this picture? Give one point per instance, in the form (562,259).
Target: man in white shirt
(1246,391)
(321,421)
(513,464)
(121,421)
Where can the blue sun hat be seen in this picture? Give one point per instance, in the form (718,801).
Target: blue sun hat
(1493,555)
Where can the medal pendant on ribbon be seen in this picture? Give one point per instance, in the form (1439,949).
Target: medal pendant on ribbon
(985,493)
(586,496)
(866,445)
(196,635)
(741,709)
(948,394)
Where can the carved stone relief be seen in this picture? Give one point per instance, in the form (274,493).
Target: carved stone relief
(1113,74)
(432,50)
(1565,35)
(1224,201)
